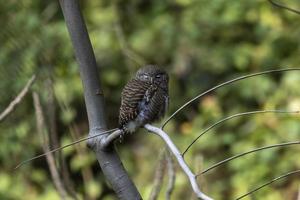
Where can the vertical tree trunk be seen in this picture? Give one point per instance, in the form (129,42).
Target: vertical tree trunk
(108,159)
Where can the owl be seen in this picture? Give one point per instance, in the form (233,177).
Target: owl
(144,99)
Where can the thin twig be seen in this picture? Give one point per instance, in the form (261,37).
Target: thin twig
(181,162)
(248,152)
(223,84)
(268,183)
(10,108)
(171,175)
(284,7)
(50,159)
(231,117)
(158,176)
(63,147)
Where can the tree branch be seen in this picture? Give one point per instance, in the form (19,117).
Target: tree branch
(41,128)
(158,176)
(63,147)
(171,175)
(223,84)
(108,159)
(109,139)
(248,152)
(268,183)
(181,162)
(284,7)
(231,117)
(10,108)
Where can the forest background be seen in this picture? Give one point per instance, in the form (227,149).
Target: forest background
(200,43)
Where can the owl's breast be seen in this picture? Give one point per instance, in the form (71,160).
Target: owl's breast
(154,109)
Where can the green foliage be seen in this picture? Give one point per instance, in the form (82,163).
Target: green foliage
(200,43)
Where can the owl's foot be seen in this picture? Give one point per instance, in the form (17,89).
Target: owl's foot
(130,127)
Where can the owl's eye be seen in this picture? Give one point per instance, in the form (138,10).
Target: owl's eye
(145,76)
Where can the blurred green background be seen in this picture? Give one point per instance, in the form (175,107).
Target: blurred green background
(200,43)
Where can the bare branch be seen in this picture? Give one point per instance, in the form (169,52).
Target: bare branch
(63,147)
(284,7)
(248,152)
(41,129)
(171,175)
(223,84)
(105,142)
(269,182)
(234,116)
(10,108)
(159,176)
(181,162)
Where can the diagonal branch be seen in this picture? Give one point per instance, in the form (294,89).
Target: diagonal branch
(180,160)
(223,84)
(269,182)
(10,108)
(248,152)
(284,7)
(231,117)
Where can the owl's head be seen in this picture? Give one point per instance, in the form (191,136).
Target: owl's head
(153,74)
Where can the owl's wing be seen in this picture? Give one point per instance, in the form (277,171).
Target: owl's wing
(132,95)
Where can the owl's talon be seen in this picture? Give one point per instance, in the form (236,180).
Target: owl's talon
(121,138)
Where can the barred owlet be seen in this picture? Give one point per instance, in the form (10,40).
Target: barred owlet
(144,98)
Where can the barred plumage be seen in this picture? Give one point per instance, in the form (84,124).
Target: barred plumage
(144,98)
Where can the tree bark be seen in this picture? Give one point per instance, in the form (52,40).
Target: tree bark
(108,159)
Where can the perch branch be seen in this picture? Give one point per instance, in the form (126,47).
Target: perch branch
(269,182)
(181,162)
(248,152)
(10,108)
(109,139)
(223,84)
(231,117)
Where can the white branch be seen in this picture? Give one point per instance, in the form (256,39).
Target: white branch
(181,162)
